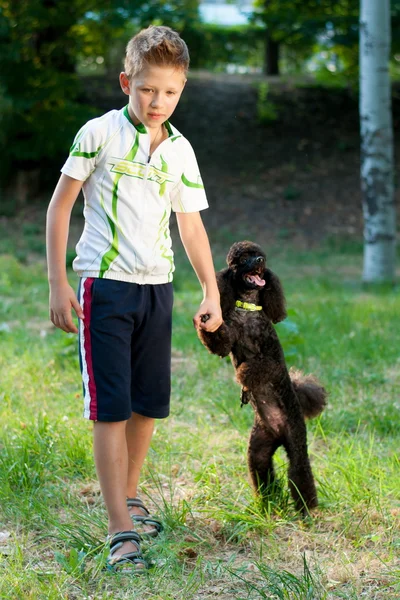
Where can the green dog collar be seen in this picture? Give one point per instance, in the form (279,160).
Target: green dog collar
(247,305)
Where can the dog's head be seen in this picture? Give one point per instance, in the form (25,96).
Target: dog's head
(246,261)
(248,278)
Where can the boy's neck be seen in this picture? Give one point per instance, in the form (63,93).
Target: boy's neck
(132,115)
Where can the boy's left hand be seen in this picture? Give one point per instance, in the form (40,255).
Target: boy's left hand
(208,317)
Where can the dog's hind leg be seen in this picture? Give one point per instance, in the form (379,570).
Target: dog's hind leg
(262,445)
(301,480)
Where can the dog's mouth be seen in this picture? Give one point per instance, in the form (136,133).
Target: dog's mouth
(253,279)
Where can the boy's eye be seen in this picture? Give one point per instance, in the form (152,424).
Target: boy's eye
(171,93)
(146,90)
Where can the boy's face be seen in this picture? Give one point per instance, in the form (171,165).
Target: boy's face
(153,93)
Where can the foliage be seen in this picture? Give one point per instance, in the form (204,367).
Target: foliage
(106,30)
(211,47)
(327,28)
(215,46)
(37,65)
(302,24)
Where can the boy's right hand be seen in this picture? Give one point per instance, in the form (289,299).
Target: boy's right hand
(62,300)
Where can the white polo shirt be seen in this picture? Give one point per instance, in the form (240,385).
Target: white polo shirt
(128,200)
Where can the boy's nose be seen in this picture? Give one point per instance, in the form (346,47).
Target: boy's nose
(156,101)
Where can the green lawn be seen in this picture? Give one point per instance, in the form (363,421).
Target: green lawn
(219,541)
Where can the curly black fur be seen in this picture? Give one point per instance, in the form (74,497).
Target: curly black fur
(281,400)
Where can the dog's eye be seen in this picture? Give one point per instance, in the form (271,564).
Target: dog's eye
(243,260)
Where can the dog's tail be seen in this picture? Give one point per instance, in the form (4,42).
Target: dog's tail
(311,394)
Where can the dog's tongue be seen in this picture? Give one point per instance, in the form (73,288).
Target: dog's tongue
(257,280)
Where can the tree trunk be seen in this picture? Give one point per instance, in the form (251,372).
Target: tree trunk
(271,61)
(377,143)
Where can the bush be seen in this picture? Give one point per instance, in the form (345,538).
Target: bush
(40,98)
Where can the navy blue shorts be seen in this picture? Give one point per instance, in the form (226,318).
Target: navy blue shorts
(125,348)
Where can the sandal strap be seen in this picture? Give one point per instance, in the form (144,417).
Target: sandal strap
(147,521)
(128,555)
(124,536)
(128,558)
(118,564)
(137,503)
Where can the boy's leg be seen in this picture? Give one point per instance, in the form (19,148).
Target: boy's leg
(151,379)
(151,382)
(139,431)
(110,309)
(111,459)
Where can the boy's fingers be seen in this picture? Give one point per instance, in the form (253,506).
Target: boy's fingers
(196,320)
(67,323)
(77,308)
(211,324)
(71,327)
(207,321)
(63,321)
(54,320)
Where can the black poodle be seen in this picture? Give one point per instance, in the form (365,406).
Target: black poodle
(252,300)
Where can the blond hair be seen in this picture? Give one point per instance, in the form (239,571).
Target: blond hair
(156,45)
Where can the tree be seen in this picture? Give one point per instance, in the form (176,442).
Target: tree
(377,142)
(298,23)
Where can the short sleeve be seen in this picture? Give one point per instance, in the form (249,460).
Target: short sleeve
(189,194)
(81,161)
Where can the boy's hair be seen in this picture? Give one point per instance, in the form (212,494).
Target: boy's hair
(156,45)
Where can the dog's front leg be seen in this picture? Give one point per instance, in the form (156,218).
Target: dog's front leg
(218,342)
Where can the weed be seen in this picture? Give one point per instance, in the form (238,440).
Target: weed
(266,109)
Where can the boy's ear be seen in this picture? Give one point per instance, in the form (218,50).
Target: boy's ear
(124,83)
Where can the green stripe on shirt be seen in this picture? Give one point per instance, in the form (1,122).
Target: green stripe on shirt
(113,252)
(191,184)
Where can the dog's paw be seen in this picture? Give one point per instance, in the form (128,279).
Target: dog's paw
(245,396)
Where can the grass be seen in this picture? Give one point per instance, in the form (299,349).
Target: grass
(219,540)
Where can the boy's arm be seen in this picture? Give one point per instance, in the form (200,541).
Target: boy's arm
(62,296)
(197,247)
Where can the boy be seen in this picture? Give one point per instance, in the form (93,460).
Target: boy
(134,167)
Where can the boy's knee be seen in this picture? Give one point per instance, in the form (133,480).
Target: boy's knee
(110,424)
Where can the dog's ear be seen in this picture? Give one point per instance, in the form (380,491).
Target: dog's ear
(272,297)
(226,286)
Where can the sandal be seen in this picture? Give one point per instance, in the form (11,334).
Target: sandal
(132,562)
(145,518)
